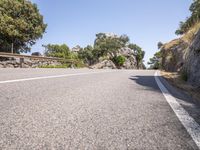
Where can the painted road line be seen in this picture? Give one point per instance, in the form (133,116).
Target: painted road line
(192,127)
(50,77)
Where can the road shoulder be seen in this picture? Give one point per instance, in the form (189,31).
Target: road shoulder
(184,106)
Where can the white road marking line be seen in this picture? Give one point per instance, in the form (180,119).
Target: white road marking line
(50,77)
(192,127)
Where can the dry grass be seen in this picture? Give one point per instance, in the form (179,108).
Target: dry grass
(175,79)
(171,44)
(187,37)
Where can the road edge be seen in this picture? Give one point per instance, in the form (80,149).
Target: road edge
(192,127)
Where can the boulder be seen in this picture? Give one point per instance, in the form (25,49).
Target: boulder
(106,64)
(130,63)
(125,51)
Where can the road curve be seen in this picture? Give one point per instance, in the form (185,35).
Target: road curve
(87,109)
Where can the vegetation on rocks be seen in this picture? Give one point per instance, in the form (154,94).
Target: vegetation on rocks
(110,47)
(182,55)
(188,29)
(61,51)
(119,60)
(186,25)
(155,61)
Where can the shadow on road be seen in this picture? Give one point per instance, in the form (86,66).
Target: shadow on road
(190,104)
(150,83)
(147,81)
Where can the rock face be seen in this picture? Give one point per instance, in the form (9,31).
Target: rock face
(106,64)
(130,61)
(192,64)
(182,56)
(174,55)
(15,63)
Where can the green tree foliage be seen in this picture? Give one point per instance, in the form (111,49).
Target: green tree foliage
(192,20)
(20,24)
(155,61)
(119,60)
(104,44)
(87,55)
(138,52)
(55,50)
(63,51)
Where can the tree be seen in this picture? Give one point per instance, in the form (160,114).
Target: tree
(87,55)
(155,61)
(55,50)
(160,44)
(192,20)
(20,24)
(138,52)
(109,44)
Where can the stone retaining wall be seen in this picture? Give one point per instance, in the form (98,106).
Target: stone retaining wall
(26,63)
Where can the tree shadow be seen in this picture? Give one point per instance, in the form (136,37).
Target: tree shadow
(191,105)
(146,81)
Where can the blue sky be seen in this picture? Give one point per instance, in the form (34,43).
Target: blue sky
(146,22)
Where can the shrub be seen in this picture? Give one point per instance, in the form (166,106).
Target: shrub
(119,60)
(79,64)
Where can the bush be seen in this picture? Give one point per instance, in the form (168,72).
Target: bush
(119,60)
(79,64)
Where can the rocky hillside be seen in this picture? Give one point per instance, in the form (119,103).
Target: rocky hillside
(129,62)
(183,55)
(111,51)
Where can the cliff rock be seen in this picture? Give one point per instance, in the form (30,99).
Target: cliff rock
(183,56)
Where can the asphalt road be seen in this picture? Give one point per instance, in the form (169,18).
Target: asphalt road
(87,109)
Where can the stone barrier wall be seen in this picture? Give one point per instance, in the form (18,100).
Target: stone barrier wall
(26,63)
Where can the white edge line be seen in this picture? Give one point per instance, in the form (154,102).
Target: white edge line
(192,127)
(49,77)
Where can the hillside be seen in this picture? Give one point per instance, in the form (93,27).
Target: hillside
(109,51)
(183,55)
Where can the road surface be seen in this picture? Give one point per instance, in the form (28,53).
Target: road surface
(87,109)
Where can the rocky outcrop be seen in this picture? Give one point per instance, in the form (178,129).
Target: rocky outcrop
(192,64)
(106,64)
(130,61)
(27,63)
(183,56)
(174,55)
